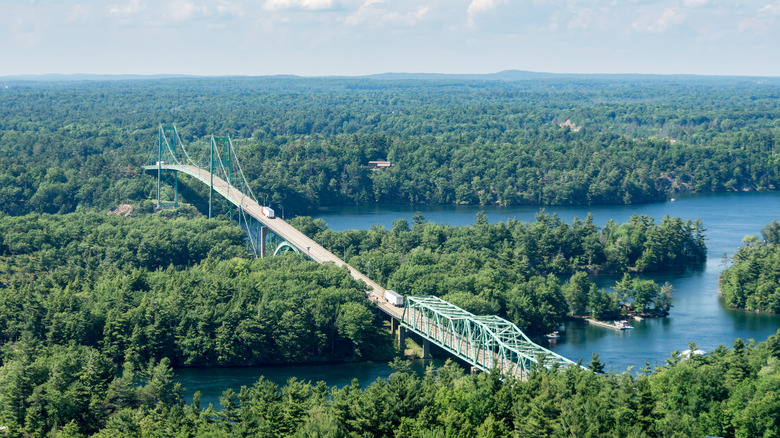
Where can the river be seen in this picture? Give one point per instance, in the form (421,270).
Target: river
(698,314)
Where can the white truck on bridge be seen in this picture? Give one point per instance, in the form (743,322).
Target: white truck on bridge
(268,212)
(394,298)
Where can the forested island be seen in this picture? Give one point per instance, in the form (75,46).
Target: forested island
(512,268)
(753,281)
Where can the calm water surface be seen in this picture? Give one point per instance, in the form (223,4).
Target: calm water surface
(211,382)
(698,314)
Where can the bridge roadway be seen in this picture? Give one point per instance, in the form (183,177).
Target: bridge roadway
(284,230)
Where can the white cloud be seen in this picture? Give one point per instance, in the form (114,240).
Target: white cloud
(375,12)
(772,9)
(180,10)
(588,18)
(669,18)
(212,13)
(79,13)
(755,25)
(309,5)
(695,3)
(762,21)
(479,6)
(134,7)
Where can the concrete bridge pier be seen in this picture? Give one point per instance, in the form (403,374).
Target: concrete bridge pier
(426,347)
(263,234)
(402,340)
(395,325)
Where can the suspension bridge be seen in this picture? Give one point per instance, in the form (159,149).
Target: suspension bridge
(486,342)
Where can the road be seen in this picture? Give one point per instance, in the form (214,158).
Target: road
(286,231)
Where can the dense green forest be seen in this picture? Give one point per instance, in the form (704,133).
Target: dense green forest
(66,146)
(147,287)
(753,281)
(96,310)
(140,289)
(73,391)
(513,268)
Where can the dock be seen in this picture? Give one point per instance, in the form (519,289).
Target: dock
(605,324)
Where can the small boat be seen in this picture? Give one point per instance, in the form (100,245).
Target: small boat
(688,353)
(623,325)
(553,335)
(672,200)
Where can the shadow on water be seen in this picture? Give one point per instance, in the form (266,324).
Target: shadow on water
(211,382)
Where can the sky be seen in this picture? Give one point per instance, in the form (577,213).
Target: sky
(359,37)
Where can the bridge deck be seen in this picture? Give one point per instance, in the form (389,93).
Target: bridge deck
(284,230)
(462,346)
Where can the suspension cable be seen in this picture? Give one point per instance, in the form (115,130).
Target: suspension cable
(233,151)
(180,143)
(168,145)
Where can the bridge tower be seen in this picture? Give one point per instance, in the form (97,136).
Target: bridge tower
(224,169)
(221,160)
(167,180)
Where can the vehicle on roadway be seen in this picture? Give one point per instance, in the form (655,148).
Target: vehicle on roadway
(394,298)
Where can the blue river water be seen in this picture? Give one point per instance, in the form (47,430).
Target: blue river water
(698,314)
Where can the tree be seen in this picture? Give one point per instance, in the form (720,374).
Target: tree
(663,302)
(596,365)
(577,291)
(599,303)
(354,323)
(750,240)
(771,233)
(643,293)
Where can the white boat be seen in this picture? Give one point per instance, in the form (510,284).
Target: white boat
(623,325)
(553,335)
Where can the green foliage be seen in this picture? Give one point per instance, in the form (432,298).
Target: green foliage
(752,282)
(68,146)
(71,391)
(77,245)
(95,309)
(511,268)
(89,352)
(147,288)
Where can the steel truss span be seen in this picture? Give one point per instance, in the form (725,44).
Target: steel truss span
(486,342)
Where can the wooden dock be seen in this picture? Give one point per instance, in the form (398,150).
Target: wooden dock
(605,324)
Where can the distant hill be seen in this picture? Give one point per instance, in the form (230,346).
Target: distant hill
(506,75)
(54,77)
(524,75)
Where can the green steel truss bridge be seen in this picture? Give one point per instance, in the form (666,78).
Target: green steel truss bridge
(486,342)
